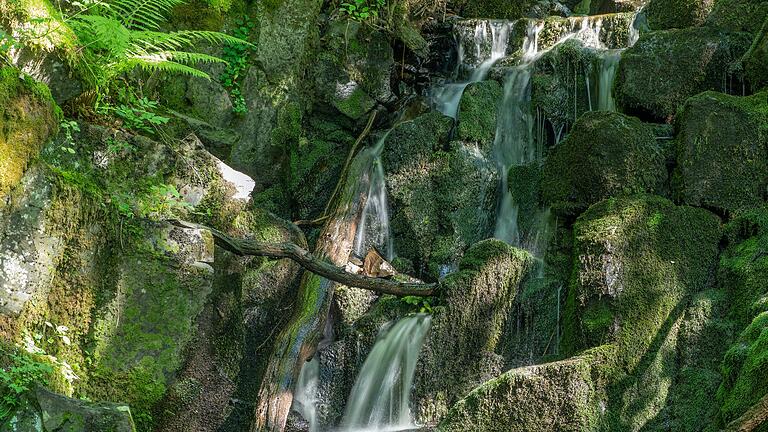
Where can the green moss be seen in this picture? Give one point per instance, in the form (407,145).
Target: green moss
(756,60)
(677,64)
(563,396)
(559,87)
(745,367)
(634,274)
(722,151)
(477,113)
(498,9)
(28,119)
(467,328)
(739,15)
(669,14)
(606,154)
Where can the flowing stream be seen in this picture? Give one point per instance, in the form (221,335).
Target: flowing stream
(380,397)
(373,229)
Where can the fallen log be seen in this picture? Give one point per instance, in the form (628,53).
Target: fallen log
(304,258)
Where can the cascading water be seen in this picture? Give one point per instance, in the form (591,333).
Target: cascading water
(373,227)
(446,98)
(379,400)
(515,144)
(305,396)
(609,64)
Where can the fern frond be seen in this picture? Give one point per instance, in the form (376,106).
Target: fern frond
(155,63)
(190,58)
(143,14)
(102,33)
(180,39)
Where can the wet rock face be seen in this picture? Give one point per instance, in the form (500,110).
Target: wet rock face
(606,154)
(677,64)
(722,151)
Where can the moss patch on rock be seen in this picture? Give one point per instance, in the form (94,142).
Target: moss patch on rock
(28,119)
(722,151)
(676,64)
(562,396)
(739,15)
(464,344)
(669,14)
(477,113)
(606,154)
(638,262)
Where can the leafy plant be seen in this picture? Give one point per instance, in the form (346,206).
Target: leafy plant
(363,10)
(423,304)
(236,56)
(161,201)
(7,42)
(18,376)
(140,116)
(68,128)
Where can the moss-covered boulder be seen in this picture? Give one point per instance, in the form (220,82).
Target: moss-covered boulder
(477,113)
(739,15)
(563,396)
(669,14)
(638,261)
(742,274)
(722,151)
(745,367)
(465,341)
(676,64)
(352,71)
(498,9)
(606,154)
(28,119)
(45,411)
(441,194)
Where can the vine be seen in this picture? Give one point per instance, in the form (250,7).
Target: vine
(236,56)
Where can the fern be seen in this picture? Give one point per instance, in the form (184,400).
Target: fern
(142,14)
(123,35)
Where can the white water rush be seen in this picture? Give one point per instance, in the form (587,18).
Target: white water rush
(380,398)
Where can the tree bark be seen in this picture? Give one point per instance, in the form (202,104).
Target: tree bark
(297,342)
(316,265)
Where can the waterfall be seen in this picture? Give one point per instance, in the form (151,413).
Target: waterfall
(513,143)
(373,227)
(446,98)
(609,64)
(305,396)
(379,400)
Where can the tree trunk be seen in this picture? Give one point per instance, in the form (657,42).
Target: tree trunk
(298,341)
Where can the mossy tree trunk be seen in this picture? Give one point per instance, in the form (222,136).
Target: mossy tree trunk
(297,342)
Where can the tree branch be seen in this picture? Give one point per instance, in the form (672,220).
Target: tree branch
(304,258)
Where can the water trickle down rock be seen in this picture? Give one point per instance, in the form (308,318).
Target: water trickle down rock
(373,229)
(446,97)
(380,398)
